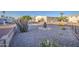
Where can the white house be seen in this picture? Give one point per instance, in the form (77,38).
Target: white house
(41,18)
(73,18)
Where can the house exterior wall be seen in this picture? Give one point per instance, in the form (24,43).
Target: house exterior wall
(38,18)
(73,19)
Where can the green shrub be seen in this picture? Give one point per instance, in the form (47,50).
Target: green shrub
(22,28)
(22,23)
(48,43)
(45,43)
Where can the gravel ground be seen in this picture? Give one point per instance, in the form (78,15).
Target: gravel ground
(4,31)
(36,34)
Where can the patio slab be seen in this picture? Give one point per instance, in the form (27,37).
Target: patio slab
(36,35)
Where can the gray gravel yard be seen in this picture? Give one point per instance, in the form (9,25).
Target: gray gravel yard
(36,34)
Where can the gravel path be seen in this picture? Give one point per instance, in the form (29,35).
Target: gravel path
(4,31)
(36,34)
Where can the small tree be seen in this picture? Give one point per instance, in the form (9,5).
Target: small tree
(62,18)
(3,14)
(25,19)
(23,24)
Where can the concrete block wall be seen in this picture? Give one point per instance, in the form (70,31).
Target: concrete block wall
(5,40)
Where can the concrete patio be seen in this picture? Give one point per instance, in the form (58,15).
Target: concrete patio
(36,35)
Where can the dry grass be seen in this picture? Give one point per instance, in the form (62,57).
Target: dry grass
(7,26)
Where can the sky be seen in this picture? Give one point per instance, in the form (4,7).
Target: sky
(38,13)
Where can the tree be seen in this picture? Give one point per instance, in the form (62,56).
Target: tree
(62,18)
(61,13)
(23,24)
(3,14)
(27,18)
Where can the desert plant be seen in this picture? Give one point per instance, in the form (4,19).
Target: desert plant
(45,43)
(23,23)
(26,18)
(55,44)
(21,27)
(62,19)
(48,43)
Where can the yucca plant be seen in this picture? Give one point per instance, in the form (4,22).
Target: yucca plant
(48,43)
(45,43)
(21,28)
(23,23)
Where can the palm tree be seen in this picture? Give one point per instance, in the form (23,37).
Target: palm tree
(61,13)
(61,18)
(3,13)
(3,16)
(64,18)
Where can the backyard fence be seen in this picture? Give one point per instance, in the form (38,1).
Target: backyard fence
(75,28)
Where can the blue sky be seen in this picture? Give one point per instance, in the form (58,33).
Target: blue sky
(38,13)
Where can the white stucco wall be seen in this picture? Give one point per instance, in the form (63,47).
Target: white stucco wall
(73,19)
(37,18)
